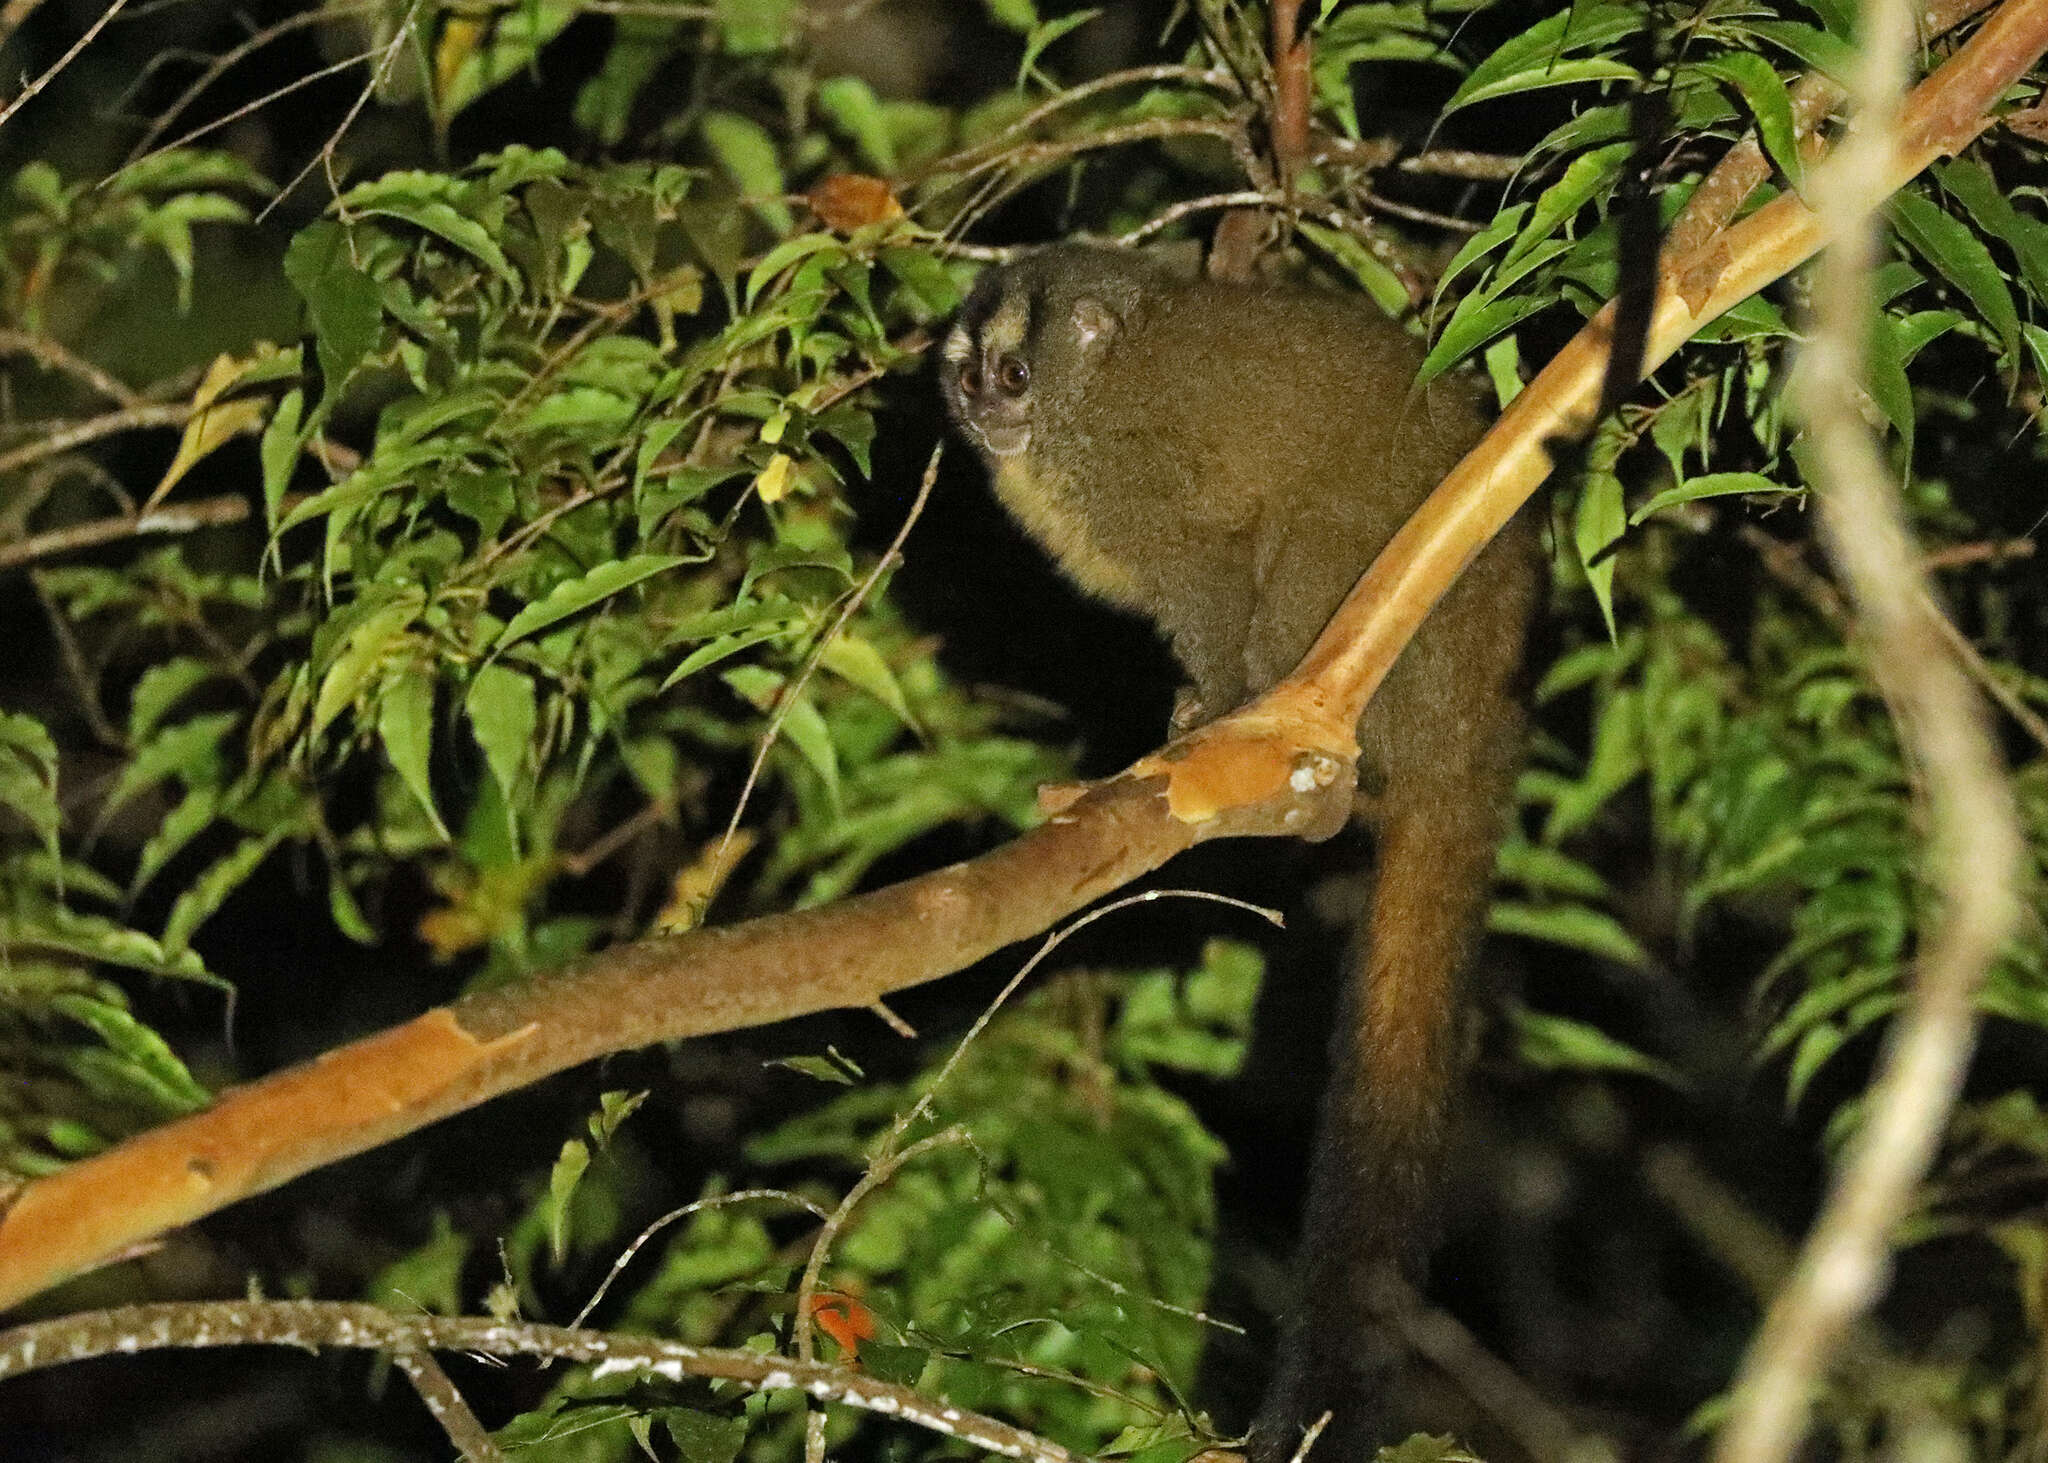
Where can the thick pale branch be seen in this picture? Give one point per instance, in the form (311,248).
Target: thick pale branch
(1276,767)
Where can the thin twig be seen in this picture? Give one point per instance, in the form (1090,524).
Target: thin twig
(716,1201)
(91,32)
(174,518)
(785,703)
(982,152)
(1546,1434)
(450,1408)
(77,434)
(125,1330)
(221,64)
(1051,943)
(1974,843)
(387,56)
(52,356)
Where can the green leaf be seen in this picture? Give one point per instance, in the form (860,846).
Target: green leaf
(405,724)
(1973,186)
(747,154)
(1710,485)
(802,723)
(1016,15)
(1961,258)
(1557,1043)
(857,662)
(753,27)
(502,717)
(279,450)
(28,775)
(344,302)
(1535,58)
(1472,324)
(418,198)
(572,596)
(203,898)
(851,105)
(1586,176)
(1379,281)
(378,635)
(194,751)
(1597,528)
(1045,33)
(570,1166)
(1770,105)
(150,1055)
(1572,926)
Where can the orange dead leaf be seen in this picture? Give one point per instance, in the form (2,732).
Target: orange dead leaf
(845,1320)
(848,201)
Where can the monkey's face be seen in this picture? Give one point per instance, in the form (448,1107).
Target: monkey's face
(986,378)
(1030,341)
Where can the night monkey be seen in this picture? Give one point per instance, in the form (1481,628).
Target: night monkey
(1226,460)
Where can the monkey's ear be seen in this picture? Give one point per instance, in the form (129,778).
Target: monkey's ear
(1094,321)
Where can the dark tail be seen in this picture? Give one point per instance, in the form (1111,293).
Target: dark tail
(1396,1058)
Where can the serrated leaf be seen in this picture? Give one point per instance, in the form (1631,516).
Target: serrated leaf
(1770,105)
(416,198)
(28,775)
(857,662)
(570,1166)
(405,725)
(279,450)
(502,716)
(1572,926)
(362,657)
(1584,177)
(136,1043)
(1710,485)
(1385,286)
(1472,325)
(203,898)
(1974,187)
(573,596)
(1960,256)
(1535,58)
(1597,528)
(345,304)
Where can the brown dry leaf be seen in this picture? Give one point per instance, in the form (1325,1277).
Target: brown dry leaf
(849,201)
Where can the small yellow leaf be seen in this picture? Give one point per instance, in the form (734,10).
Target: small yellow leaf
(773,483)
(698,883)
(212,425)
(459,39)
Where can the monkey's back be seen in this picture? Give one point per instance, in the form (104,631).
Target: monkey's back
(1276,442)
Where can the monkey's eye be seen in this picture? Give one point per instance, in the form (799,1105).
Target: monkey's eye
(1012,375)
(970,379)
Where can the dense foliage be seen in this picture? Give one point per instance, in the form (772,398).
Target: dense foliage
(496,570)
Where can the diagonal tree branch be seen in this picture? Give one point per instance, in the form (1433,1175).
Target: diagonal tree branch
(125,1330)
